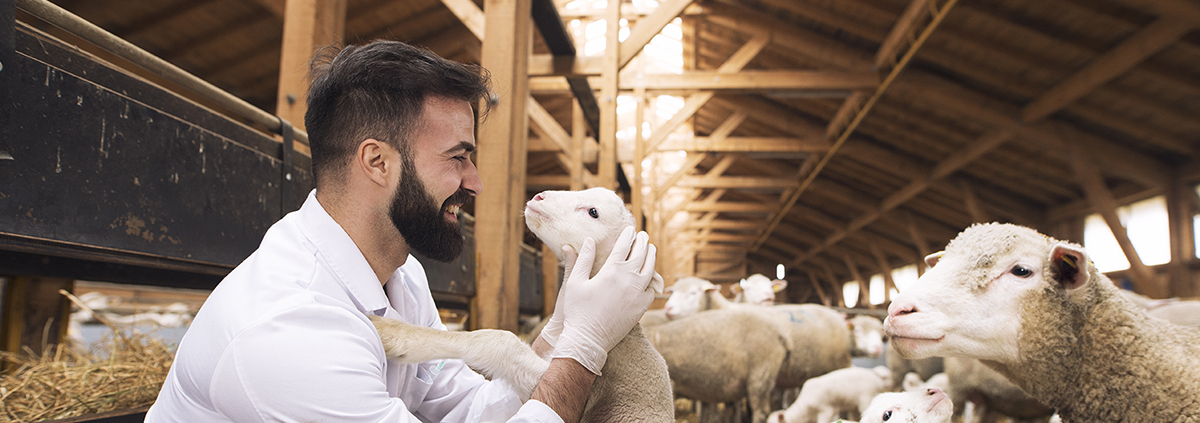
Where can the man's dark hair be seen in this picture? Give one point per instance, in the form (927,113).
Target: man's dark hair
(378,91)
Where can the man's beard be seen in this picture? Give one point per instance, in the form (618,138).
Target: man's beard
(422,223)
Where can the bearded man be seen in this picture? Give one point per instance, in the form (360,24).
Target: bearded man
(285,336)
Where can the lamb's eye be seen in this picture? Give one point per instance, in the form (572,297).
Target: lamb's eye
(595,214)
(1021,271)
(887,415)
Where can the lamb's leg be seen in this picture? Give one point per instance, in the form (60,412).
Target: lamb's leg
(496,354)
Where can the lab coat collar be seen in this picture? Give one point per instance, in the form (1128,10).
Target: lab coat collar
(342,256)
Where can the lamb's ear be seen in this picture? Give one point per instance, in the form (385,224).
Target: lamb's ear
(656,282)
(778,285)
(932,259)
(736,288)
(1069,266)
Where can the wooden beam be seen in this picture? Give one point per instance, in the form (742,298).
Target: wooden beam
(1182,9)
(725,206)
(971,202)
(950,164)
(550,279)
(1108,66)
(308,25)
(761,80)
(693,160)
(938,16)
(548,129)
(736,182)
(1103,202)
(745,144)
(816,283)
(864,285)
(838,297)
(502,157)
(885,270)
(1182,237)
(728,224)
(636,182)
(276,7)
(610,74)
(34,313)
(469,14)
(647,28)
(902,32)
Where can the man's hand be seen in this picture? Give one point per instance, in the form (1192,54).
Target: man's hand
(599,312)
(554,326)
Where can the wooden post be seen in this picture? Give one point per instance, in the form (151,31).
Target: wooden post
(639,154)
(918,240)
(1183,248)
(35,314)
(864,285)
(578,135)
(1144,280)
(607,167)
(838,299)
(550,280)
(307,26)
(503,139)
(816,283)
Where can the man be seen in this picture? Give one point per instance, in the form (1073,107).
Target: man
(285,336)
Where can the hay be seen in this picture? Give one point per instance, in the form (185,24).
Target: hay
(124,370)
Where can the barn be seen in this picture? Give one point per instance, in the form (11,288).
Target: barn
(146,146)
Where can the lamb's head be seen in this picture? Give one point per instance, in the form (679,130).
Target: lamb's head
(561,218)
(929,406)
(868,336)
(978,296)
(759,289)
(689,295)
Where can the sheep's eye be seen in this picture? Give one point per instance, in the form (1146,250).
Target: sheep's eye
(595,214)
(1021,271)
(887,415)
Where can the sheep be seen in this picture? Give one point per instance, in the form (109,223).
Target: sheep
(634,384)
(1036,310)
(925,368)
(823,398)
(912,382)
(1183,313)
(824,340)
(725,355)
(929,406)
(757,289)
(979,392)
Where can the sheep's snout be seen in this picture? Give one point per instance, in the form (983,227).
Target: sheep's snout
(901,308)
(538,197)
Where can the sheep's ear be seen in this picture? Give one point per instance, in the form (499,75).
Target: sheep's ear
(1069,266)
(736,288)
(657,283)
(932,259)
(778,285)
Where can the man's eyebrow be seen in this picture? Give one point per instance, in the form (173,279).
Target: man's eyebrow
(463,146)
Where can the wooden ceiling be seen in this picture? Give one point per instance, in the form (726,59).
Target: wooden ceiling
(819,142)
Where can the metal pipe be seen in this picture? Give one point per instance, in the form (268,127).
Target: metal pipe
(49,12)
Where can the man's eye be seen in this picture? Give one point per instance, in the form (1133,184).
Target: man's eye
(595,214)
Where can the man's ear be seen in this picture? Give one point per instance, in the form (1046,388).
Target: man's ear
(1069,266)
(374,159)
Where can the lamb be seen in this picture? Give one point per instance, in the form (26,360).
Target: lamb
(978,391)
(930,406)
(634,384)
(823,398)
(1036,310)
(912,382)
(757,289)
(722,356)
(924,368)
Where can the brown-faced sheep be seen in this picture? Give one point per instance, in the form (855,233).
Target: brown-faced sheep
(1037,310)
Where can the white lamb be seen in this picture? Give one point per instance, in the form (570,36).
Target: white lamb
(634,384)
(757,289)
(1037,310)
(929,406)
(823,398)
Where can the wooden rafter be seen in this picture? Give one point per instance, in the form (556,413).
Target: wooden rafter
(469,14)
(951,164)
(938,16)
(648,27)
(1108,66)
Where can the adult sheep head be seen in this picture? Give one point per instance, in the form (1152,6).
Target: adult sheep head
(689,295)
(758,289)
(972,302)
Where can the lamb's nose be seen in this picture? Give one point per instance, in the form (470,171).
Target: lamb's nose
(900,308)
(933,391)
(538,197)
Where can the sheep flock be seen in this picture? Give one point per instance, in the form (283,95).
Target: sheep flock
(1007,324)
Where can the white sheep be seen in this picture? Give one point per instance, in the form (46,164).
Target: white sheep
(929,406)
(979,393)
(634,384)
(1037,310)
(823,340)
(723,356)
(925,368)
(912,382)
(823,398)
(757,289)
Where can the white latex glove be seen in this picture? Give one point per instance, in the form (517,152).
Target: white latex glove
(554,326)
(599,312)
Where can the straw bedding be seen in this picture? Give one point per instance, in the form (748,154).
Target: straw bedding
(124,370)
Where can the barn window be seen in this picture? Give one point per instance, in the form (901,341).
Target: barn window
(1146,223)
